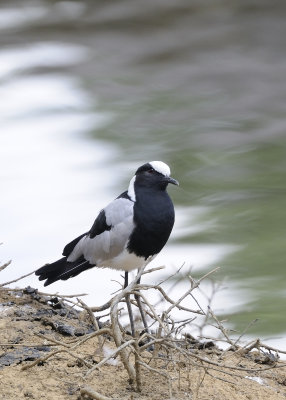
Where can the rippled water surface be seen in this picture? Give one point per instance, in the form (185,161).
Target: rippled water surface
(89,90)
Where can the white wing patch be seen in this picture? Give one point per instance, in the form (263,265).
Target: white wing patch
(161,167)
(131,189)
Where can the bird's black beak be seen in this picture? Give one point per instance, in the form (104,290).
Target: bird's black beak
(172,181)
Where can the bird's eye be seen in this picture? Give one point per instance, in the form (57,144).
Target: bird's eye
(151,171)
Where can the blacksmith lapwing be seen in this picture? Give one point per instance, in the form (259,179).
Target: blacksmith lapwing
(127,234)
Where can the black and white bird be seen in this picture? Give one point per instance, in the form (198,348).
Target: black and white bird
(127,234)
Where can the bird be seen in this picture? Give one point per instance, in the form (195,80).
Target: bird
(126,235)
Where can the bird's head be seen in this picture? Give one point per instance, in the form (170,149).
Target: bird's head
(154,174)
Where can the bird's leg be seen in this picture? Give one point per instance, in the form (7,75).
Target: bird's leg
(127,298)
(139,303)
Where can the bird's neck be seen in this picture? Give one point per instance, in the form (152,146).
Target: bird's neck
(150,193)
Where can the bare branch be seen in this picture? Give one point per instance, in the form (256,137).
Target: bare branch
(5,266)
(112,355)
(94,395)
(18,279)
(172,351)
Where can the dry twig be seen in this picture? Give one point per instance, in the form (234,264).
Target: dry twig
(93,394)
(5,266)
(18,279)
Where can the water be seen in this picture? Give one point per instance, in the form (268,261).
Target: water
(90,91)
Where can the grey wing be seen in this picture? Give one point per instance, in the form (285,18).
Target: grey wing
(112,241)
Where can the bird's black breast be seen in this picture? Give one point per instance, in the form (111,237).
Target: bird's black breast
(154,219)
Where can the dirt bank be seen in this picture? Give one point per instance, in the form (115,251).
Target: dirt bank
(33,327)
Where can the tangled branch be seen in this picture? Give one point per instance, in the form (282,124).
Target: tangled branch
(166,349)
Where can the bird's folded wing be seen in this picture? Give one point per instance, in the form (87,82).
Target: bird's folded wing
(109,234)
(70,246)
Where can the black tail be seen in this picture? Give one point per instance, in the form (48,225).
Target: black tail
(62,269)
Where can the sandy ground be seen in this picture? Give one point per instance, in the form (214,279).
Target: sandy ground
(30,326)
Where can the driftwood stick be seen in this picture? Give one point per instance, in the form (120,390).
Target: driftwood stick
(155,315)
(102,331)
(115,327)
(148,271)
(42,359)
(103,307)
(54,341)
(18,279)
(164,294)
(90,313)
(112,355)
(222,329)
(62,296)
(5,265)
(94,395)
